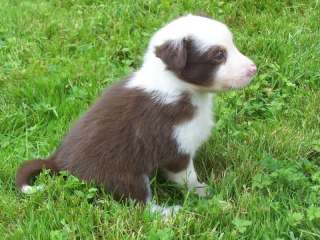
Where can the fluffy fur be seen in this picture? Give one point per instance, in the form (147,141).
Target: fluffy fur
(155,119)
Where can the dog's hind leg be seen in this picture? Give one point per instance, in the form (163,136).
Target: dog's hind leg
(129,186)
(137,187)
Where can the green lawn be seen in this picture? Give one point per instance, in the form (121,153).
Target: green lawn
(262,162)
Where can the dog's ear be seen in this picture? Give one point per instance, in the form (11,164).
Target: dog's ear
(173,54)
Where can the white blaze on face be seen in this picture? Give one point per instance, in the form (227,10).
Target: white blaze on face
(236,72)
(238,69)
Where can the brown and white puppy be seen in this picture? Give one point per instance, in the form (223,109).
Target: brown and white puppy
(155,119)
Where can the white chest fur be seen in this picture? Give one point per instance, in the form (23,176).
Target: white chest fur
(188,135)
(191,134)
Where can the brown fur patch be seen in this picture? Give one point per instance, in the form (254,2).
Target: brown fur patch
(195,67)
(173,54)
(178,164)
(122,139)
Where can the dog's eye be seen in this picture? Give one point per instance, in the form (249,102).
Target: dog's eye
(220,55)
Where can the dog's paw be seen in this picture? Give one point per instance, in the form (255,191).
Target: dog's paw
(170,212)
(202,190)
(166,212)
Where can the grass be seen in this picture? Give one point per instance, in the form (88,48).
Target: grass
(262,162)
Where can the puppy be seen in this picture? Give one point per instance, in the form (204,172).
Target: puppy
(155,119)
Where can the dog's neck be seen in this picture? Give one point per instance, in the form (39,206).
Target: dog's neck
(154,77)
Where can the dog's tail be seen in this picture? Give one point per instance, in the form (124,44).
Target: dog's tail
(30,169)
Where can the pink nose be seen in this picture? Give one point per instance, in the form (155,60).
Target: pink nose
(252,70)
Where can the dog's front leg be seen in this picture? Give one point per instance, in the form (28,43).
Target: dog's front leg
(189,177)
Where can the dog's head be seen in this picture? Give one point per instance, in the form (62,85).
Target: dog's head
(201,52)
